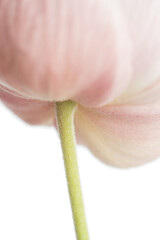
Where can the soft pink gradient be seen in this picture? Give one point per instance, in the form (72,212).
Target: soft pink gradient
(105,55)
(55,50)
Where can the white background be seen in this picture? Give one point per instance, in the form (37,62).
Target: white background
(34,203)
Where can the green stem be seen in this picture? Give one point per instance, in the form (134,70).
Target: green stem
(65,113)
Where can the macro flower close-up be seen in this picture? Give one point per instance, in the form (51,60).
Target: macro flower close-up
(102,55)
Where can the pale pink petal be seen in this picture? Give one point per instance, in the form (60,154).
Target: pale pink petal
(31,111)
(58,49)
(143,20)
(121,135)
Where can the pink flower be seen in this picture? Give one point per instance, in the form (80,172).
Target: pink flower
(105,55)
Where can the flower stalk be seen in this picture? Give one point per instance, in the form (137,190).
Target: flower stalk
(65,115)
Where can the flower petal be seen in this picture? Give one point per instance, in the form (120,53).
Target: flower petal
(121,135)
(31,111)
(143,27)
(58,50)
